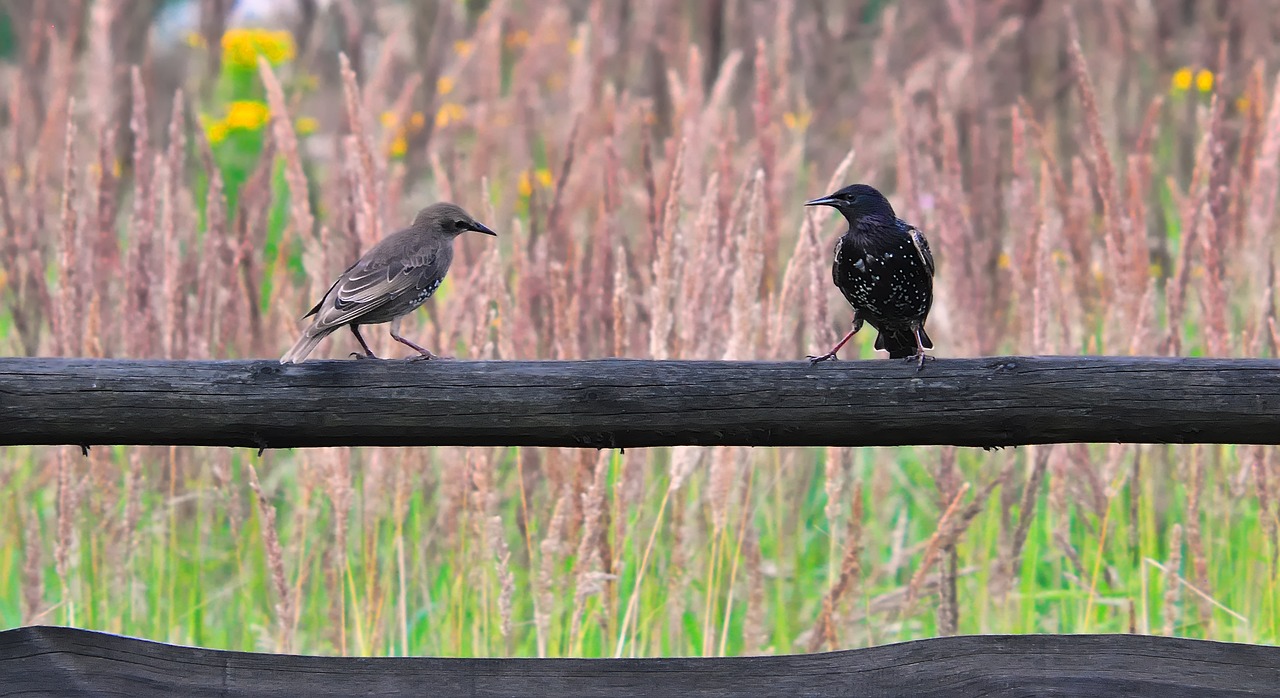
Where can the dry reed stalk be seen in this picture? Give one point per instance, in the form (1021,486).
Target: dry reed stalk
(99,84)
(697,253)
(275,562)
(940,532)
(211,295)
(1039,458)
(139,286)
(744,325)
(32,569)
(65,545)
(1195,540)
(1191,212)
(369,214)
(1118,227)
(764,110)
(1246,156)
(103,269)
(587,573)
(666,266)
(1171,582)
(1263,462)
(1266,180)
(301,218)
(817,306)
(69,318)
(506,579)
(171,175)
(1213,295)
(550,549)
(850,572)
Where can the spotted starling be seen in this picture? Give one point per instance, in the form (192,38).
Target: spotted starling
(390,281)
(884,269)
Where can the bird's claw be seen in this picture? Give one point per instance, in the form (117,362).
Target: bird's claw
(919,359)
(815,360)
(428,357)
(358,355)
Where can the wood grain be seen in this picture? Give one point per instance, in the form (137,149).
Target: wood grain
(64,661)
(608,403)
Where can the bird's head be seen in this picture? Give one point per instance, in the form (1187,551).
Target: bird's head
(449,220)
(856,201)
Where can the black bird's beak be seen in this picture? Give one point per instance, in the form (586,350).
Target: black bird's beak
(480,228)
(823,201)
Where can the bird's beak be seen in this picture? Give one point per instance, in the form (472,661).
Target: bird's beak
(480,228)
(823,201)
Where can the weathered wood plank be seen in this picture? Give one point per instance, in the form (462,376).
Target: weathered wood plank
(66,661)
(630,403)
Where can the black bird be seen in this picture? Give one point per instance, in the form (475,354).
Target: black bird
(390,281)
(884,269)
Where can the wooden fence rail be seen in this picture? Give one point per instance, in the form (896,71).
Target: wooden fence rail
(67,662)
(1002,401)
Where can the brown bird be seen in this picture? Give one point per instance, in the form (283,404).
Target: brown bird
(390,281)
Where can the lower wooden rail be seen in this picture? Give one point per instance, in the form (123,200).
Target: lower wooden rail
(66,661)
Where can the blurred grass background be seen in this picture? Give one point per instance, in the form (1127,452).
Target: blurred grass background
(183,179)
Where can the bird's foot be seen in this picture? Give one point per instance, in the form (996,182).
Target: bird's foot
(919,359)
(815,360)
(427,356)
(358,355)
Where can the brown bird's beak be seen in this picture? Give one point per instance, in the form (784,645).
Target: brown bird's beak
(480,228)
(823,201)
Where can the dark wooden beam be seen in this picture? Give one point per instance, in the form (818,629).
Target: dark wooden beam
(629,403)
(66,661)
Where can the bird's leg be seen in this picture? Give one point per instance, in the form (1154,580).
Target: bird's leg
(368,353)
(831,355)
(423,352)
(920,355)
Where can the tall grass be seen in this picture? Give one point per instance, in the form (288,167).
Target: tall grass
(1095,178)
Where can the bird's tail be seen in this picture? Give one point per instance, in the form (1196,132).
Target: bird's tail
(901,343)
(307,342)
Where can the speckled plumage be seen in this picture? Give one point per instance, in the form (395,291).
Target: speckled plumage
(884,268)
(391,280)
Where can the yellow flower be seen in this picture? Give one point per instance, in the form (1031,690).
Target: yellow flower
(575,47)
(247,115)
(417,120)
(398,147)
(306,125)
(444,85)
(217,132)
(797,121)
(1204,80)
(195,40)
(1182,80)
(449,112)
(517,39)
(1003,261)
(524,185)
(389,119)
(463,47)
(241,47)
(543,176)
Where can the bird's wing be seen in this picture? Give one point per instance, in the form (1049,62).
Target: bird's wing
(922,247)
(364,288)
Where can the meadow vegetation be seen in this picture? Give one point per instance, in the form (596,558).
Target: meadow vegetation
(1094,178)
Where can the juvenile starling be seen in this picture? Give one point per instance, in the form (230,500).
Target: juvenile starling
(390,281)
(884,269)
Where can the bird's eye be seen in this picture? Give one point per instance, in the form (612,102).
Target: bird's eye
(461,225)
